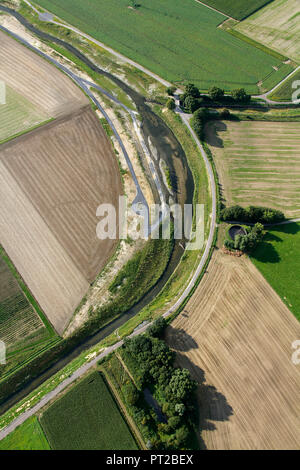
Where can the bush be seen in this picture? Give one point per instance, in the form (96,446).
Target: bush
(171,104)
(240,95)
(171,90)
(216,94)
(190,104)
(157,328)
(130,393)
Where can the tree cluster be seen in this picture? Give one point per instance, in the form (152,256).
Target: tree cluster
(192,99)
(152,363)
(247,242)
(252,214)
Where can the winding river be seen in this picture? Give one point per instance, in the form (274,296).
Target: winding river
(170,150)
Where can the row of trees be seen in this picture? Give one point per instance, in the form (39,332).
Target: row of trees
(192,99)
(247,242)
(251,214)
(152,364)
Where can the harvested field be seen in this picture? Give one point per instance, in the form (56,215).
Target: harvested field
(40,83)
(277,26)
(52,181)
(235,337)
(258,163)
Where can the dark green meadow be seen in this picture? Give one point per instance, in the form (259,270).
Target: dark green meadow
(278,259)
(87,418)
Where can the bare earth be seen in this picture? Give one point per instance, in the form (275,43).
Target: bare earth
(235,337)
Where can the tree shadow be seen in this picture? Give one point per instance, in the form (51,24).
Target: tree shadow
(266,253)
(212,404)
(211,135)
(181,341)
(291,229)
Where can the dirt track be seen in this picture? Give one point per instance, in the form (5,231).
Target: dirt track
(235,336)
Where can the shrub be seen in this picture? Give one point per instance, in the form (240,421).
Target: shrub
(171,104)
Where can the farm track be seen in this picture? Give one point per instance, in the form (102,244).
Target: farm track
(235,337)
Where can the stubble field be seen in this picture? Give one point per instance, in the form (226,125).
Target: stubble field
(277,26)
(258,163)
(52,181)
(235,336)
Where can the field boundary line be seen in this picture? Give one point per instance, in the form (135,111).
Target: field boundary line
(50,19)
(211,8)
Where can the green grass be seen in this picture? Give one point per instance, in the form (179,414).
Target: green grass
(278,259)
(238,9)
(28,436)
(284,92)
(18,115)
(87,418)
(177,39)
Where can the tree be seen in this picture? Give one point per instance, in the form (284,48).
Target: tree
(181,436)
(192,90)
(171,90)
(181,385)
(240,95)
(131,394)
(190,104)
(216,94)
(171,104)
(157,328)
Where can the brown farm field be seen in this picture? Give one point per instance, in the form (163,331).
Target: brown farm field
(52,181)
(235,337)
(39,82)
(258,163)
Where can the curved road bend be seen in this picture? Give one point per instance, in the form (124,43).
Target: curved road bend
(83,369)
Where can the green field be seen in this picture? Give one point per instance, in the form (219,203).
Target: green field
(28,436)
(87,418)
(284,92)
(18,115)
(278,259)
(177,39)
(238,9)
(277,26)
